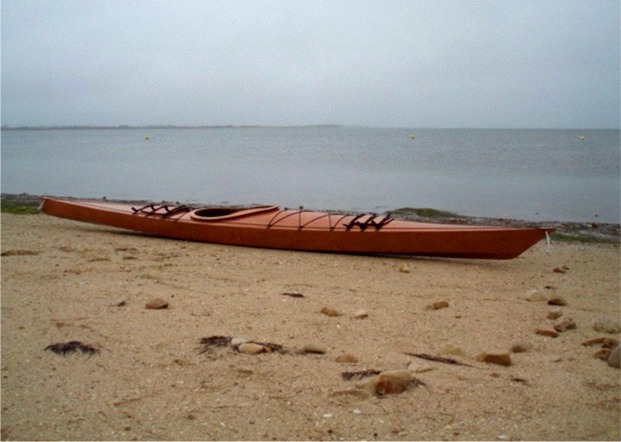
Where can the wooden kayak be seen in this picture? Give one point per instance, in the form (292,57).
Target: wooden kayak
(299,229)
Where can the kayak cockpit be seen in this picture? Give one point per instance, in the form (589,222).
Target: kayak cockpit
(226,213)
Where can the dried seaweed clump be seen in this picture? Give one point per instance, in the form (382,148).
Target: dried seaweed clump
(349,375)
(207,344)
(65,348)
(427,357)
(214,341)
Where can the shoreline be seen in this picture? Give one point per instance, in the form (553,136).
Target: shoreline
(564,231)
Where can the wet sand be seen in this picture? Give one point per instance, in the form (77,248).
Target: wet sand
(150,379)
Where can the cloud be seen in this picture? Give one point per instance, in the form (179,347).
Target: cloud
(381,63)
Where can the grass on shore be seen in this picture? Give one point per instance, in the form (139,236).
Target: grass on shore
(20,206)
(425,212)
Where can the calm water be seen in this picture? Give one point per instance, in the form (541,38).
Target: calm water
(525,174)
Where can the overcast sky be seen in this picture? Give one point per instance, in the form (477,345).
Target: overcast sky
(411,64)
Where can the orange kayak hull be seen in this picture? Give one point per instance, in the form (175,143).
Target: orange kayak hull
(298,229)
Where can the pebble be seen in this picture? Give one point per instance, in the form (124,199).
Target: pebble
(603,354)
(157,303)
(521,347)
(251,348)
(330,312)
(313,348)
(437,305)
(392,382)
(495,358)
(555,313)
(239,340)
(607,325)
(346,359)
(420,367)
(535,295)
(614,360)
(361,314)
(557,300)
(564,323)
(404,268)
(603,341)
(547,332)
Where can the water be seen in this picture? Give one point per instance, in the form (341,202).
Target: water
(524,174)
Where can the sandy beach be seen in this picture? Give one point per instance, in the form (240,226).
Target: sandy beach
(315,316)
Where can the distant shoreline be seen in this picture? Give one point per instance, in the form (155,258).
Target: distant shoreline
(571,231)
(278,126)
(123,127)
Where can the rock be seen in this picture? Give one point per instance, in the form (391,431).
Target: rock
(313,348)
(346,359)
(521,347)
(607,325)
(495,358)
(564,323)
(557,300)
(437,305)
(157,303)
(560,269)
(420,367)
(330,312)
(547,332)
(361,314)
(610,342)
(614,360)
(239,340)
(554,313)
(251,348)
(392,382)
(603,341)
(404,268)
(603,354)
(535,295)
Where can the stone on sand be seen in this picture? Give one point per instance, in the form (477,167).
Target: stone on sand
(495,358)
(614,360)
(607,325)
(392,382)
(156,304)
(555,313)
(251,348)
(361,314)
(564,323)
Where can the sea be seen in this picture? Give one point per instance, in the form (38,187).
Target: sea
(532,175)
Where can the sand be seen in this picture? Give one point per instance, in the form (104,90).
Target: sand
(66,281)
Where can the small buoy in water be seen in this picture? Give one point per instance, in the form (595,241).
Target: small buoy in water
(147,138)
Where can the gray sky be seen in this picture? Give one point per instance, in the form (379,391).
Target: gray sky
(434,63)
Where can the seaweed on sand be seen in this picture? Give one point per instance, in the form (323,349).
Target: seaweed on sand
(349,375)
(206,344)
(65,348)
(214,341)
(427,357)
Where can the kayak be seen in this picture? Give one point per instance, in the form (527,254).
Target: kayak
(270,226)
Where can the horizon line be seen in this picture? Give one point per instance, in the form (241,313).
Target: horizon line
(254,126)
